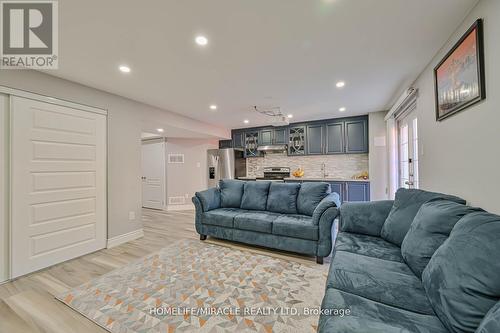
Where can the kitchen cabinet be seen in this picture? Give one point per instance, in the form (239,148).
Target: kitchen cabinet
(357,191)
(225,144)
(297,140)
(348,191)
(330,136)
(356,136)
(335,138)
(251,144)
(266,137)
(280,135)
(238,139)
(314,139)
(338,187)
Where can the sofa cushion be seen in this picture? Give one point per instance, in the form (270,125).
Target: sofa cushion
(406,206)
(298,226)
(231,191)
(255,195)
(210,199)
(282,198)
(310,195)
(369,246)
(367,316)
(462,278)
(430,228)
(387,282)
(491,322)
(255,221)
(222,217)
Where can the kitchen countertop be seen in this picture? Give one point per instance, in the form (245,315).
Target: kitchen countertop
(326,179)
(315,179)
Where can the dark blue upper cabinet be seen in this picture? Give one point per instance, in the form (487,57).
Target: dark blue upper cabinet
(238,139)
(225,144)
(251,144)
(335,138)
(357,192)
(315,138)
(356,136)
(266,137)
(297,140)
(280,136)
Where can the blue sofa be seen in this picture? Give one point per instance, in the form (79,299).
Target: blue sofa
(285,216)
(425,262)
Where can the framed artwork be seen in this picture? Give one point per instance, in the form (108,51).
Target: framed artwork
(459,77)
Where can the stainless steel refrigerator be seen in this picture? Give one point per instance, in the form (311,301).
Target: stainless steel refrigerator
(225,163)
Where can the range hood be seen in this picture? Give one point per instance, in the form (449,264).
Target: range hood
(273,148)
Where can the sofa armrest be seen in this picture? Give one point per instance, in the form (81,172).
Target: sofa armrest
(331,200)
(364,217)
(210,199)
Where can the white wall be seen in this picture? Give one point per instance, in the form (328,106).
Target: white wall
(461,154)
(377,158)
(125,121)
(4,227)
(186,179)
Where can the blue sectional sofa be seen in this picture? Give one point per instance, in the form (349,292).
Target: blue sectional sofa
(425,262)
(292,217)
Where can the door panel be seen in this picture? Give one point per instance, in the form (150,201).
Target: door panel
(315,139)
(357,192)
(335,138)
(265,137)
(280,136)
(338,187)
(153,174)
(356,136)
(58,184)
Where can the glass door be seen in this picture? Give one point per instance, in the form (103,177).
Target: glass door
(408,151)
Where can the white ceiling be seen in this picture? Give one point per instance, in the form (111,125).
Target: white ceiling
(287,53)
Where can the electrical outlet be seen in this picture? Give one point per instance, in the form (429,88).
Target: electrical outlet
(198,165)
(131,216)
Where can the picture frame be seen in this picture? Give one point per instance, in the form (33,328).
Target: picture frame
(459,77)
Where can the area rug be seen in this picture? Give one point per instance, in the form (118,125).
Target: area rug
(193,286)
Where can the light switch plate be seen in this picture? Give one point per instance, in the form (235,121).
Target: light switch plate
(131,216)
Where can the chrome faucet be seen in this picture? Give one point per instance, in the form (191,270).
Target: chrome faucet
(323,170)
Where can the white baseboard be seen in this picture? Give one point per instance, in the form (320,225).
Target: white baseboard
(179,207)
(118,240)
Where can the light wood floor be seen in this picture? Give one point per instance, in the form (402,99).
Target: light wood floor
(28,305)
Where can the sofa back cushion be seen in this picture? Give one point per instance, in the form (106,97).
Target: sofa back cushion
(430,228)
(231,191)
(491,322)
(462,278)
(282,198)
(255,195)
(310,195)
(406,206)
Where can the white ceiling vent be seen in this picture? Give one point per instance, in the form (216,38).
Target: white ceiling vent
(175,158)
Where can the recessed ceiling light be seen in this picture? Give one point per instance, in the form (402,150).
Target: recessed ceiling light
(246,121)
(161,130)
(124,69)
(290,116)
(213,107)
(340,84)
(201,40)
(342,109)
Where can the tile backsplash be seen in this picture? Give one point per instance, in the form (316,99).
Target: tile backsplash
(337,166)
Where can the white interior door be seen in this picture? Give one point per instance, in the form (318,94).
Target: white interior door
(58,169)
(153,174)
(408,151)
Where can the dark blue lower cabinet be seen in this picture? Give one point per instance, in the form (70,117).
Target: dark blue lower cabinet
(349,191)
(357,191)
(338,187)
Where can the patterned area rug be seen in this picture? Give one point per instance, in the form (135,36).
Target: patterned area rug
(193,286)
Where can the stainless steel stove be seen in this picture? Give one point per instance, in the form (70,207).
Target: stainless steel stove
(276,174)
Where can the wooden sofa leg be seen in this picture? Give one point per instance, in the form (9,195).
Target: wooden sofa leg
(203,237)
(319,260)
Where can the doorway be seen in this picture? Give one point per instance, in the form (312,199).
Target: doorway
(408,151)
(153,173)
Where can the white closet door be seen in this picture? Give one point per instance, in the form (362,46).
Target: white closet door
(153,174)
(58,168)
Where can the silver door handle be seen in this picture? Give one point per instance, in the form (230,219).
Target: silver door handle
(409,183)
